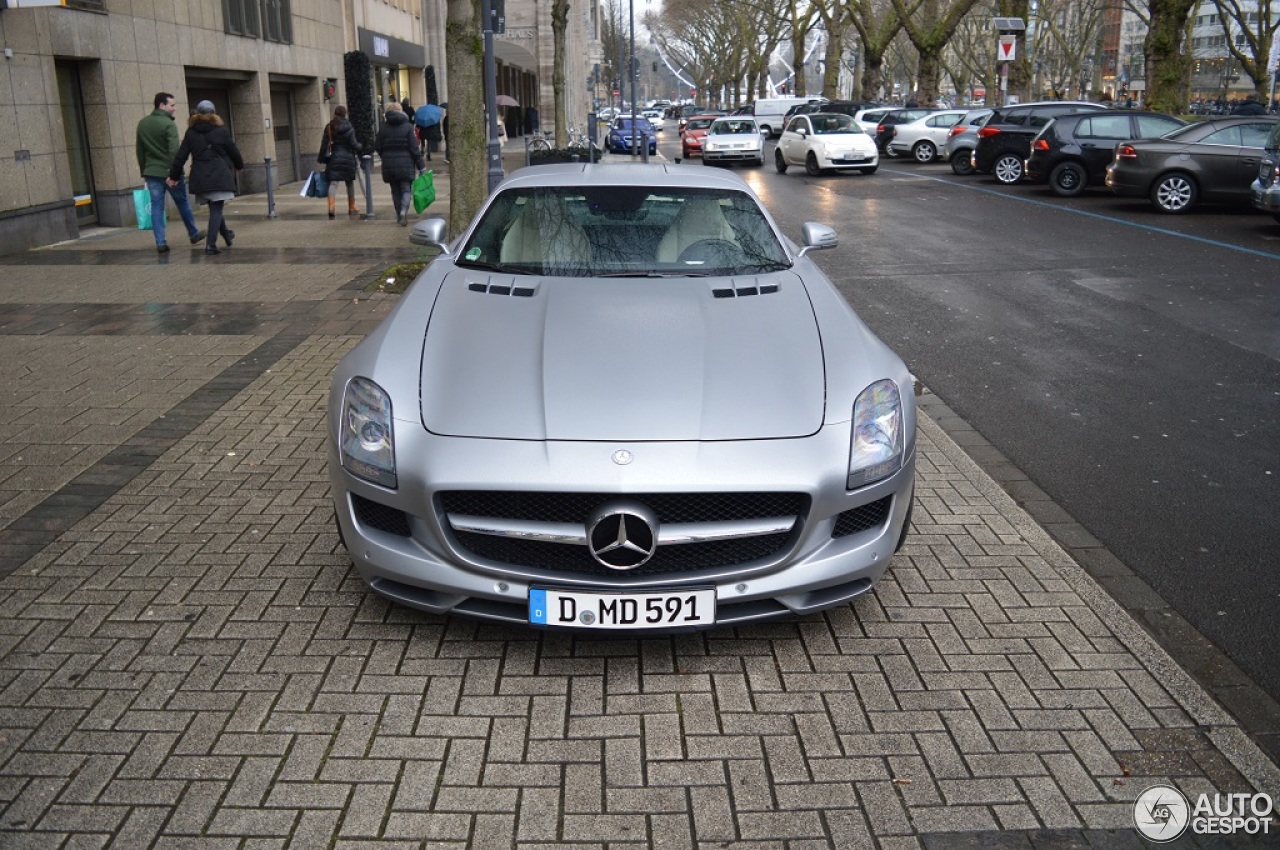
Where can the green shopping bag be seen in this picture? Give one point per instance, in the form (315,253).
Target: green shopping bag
(424,191)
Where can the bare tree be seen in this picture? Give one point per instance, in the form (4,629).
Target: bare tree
(930,24)
(1249,32)
(468,130)
(970,57)
(1067,33)
(876,24)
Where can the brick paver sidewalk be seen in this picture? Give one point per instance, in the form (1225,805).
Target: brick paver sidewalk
(188,659)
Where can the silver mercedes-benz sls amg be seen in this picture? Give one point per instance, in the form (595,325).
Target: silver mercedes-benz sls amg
(622,399)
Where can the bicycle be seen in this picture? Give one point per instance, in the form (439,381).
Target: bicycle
(540,142)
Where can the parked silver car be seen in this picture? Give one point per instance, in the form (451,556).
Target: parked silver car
(1266,189)
(926,137)
(962,138)
(622,399)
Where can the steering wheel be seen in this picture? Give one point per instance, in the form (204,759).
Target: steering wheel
(716,252)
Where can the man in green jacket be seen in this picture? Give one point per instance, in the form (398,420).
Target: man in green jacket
(157,146)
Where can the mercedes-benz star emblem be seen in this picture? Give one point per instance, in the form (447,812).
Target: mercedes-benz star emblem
(622,535)
(622,457)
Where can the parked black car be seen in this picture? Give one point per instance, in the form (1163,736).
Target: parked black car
(844,107)
(1213,160)
(1073,151)
(1004,142)
(884,131)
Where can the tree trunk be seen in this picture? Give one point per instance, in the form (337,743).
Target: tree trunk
(831,66)
(797,63)
(928,78)
(559,26)
(1167,69)
(468,129)
(872,75)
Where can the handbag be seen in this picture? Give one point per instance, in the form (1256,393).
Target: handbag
(424,191)
(317,186)
(142,206)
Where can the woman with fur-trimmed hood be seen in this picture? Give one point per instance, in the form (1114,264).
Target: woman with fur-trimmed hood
(214,161)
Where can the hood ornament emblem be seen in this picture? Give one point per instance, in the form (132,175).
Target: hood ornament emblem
(622,535)
(622,457)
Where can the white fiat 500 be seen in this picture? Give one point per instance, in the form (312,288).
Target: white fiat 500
(826,141)
(622,399)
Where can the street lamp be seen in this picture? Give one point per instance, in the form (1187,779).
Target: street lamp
(491,98)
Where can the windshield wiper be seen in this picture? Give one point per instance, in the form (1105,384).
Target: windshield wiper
(654,274)
(481,264)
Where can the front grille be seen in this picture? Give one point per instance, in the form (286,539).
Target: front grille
(560,557)
(669,507)
(380,517)
(862,518)
(576,507)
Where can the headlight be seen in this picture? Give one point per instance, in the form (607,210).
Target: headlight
(710,146)
(876,447)
(366,436)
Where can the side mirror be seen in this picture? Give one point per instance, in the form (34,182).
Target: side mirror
(431,231)
(802,131)
(817,237)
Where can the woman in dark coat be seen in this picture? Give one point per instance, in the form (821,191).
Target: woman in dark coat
(401,159)
(340,151)
(214,161)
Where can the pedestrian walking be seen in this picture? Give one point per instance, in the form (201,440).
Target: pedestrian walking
(214,161)
(340,153)
(401,159)
(1249,106)
(157,145)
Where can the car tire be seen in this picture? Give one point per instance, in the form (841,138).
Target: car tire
(870,169)
(705,162)
(962,162)
(1007,169)
(1174,193)
(1067,179)
(924,152)
(811,165)
(779,163)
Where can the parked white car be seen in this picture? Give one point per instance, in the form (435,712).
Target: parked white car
(925,138)
(826,141)
(734,138)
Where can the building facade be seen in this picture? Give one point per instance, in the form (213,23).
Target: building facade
(77,75)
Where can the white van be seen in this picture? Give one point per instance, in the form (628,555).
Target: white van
(769,113)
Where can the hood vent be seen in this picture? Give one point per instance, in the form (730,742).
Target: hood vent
(503,289)
(745,289)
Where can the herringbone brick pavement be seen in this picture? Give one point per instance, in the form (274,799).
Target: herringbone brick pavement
(196,664)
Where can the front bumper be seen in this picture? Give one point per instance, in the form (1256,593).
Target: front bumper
(1266,198)
(841,160)
(733,155)
(424,565)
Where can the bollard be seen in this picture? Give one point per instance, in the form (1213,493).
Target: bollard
(367,162)
(271,194)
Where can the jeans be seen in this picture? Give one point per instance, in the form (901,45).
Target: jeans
(156,186)
(402,196)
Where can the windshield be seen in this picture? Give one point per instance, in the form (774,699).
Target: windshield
(828,123)
(698,124)
(623,231)
(733,127)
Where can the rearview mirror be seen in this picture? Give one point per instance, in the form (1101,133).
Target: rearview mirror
(817,237)
(431,231)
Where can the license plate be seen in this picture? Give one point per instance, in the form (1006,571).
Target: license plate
(853,157)
(667,609)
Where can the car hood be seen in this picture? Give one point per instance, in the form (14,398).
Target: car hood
(622,359)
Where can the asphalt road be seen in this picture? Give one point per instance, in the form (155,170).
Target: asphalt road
(1125,360)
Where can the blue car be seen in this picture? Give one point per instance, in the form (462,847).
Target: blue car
(620,135)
